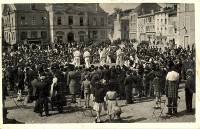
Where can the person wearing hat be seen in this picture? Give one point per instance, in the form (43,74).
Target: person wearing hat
(171,87)
(43,93)
(189,89)
(86,56)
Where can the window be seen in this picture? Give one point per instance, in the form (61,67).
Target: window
(187,7)
(12,22)
(43,35)
(33,34)
(59,20)
(70,20)
(94,21)
(94,34)
(131,18)
(22,19)
(23,35)
(161,20)
(165,21)
(102,21)
(102,34)
(33,20)
(33,7)
(149,19)
(81,38)
(81,21)
(175,30)
(43,20)
(13,35)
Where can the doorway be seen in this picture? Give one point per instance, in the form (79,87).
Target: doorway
(70,37)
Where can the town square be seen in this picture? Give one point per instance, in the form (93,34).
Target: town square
(98,63)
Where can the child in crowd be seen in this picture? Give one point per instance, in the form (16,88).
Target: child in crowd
(157,89)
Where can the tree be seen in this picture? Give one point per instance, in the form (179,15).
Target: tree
(117,10)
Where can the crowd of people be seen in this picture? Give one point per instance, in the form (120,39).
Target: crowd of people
(100,73)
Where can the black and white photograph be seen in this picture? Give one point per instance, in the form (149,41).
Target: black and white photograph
(98,63)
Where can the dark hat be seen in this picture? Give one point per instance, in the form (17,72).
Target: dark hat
(171,64)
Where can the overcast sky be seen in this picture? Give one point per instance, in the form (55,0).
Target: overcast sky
(108,7)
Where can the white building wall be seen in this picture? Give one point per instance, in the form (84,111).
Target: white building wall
(186,16)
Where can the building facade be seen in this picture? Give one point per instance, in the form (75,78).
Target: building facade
(77,22)
(25,21)
(54,22)
(146,28)
(142,22)
(161,25)
(133,25)
(186,24)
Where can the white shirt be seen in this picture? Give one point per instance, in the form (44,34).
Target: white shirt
(172,76)
(119,52)
(77,53)
(86,54)
(102,53)
(55,80)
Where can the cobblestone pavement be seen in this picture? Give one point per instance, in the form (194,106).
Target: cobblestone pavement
(141,111)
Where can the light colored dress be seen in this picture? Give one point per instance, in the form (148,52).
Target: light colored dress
(111,101)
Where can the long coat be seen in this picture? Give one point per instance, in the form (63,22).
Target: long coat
(128,88)
(74,82)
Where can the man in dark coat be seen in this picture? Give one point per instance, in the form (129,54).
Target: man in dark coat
(29,78)
(11,77)
(128,82)
(60,97)
(43,93)
(21,77)
(189,89)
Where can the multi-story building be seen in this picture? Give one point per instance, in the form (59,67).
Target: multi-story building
(186,24)
(133,25)
(77,22)
(54,22)
(175,24)
(145,28)
(25,21)
(161,24)
(141,32)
